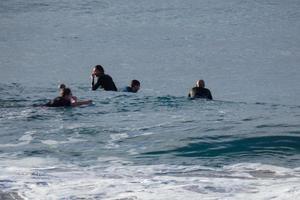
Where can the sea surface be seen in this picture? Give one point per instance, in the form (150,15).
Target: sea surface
(156,144)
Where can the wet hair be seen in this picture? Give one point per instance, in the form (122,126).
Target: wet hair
(62,86)
(66,92)
(99,67)
(201,83)
(135,83)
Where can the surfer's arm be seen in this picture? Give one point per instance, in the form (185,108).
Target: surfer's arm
(95,86)
(209,95)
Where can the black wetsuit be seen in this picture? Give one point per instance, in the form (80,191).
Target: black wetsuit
(59,102)
(106,82)
(203,93)
(128,89)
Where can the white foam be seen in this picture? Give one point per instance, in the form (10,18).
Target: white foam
(133,152)
(257,167)
(69,141)
(147,133)
(29,162)
(113,178)
(18,115)
(115,138)
(50,142)
(24,140)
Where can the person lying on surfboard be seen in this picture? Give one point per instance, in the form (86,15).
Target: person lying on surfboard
(61,88)
(65,100)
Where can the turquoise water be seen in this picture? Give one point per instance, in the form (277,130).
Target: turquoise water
(156,144)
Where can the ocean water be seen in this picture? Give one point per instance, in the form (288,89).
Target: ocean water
(156,144)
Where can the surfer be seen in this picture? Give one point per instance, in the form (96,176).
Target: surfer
(104,80)
(65,100)
(200,91)
(134,87)
(61,88)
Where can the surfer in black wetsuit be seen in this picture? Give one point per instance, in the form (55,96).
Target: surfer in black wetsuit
(134,87)
(200,91)
(104,80)
(65,100)
(61,88)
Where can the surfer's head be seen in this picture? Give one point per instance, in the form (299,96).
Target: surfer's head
(98,70)
(135,85)
(66,93)
(61,88)
(200,83)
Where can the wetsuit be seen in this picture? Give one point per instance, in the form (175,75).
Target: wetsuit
(203,93)
(59,102)
(128,89)
(106,82)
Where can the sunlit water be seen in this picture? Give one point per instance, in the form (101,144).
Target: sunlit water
(156,144)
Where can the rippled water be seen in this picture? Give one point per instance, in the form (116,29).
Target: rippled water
(140,146)
(156,144)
